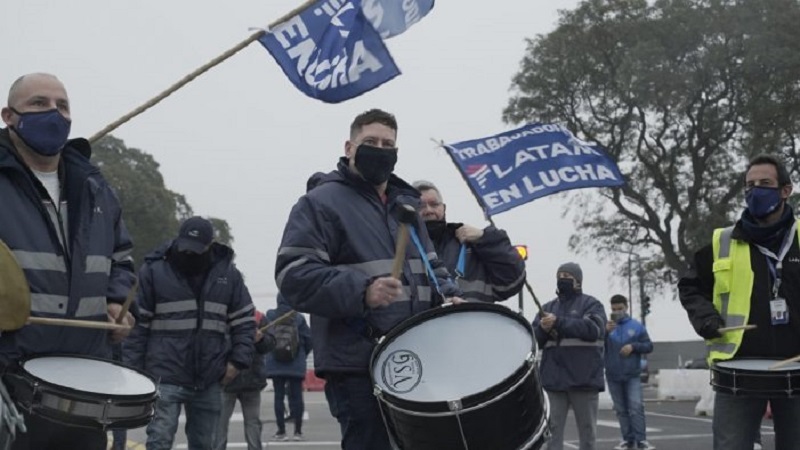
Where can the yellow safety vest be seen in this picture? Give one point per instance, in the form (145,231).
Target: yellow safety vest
(733,287)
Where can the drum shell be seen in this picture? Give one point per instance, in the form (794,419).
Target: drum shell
(755,383)
(79,408)
(485,426)
(510,415)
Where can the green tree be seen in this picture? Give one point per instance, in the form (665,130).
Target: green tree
(682,93)
(151,212)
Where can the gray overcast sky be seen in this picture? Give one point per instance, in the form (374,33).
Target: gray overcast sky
(240,141)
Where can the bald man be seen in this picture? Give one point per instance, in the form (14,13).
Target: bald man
(64,225)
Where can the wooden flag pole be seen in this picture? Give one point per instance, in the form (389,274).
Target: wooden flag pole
(197,72)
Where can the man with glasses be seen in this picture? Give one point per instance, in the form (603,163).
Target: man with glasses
(750,274)
(487,267)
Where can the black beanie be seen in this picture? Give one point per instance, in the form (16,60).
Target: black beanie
(573,269)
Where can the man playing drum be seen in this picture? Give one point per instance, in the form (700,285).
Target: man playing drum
(750,274)
(335,262)
(64,226)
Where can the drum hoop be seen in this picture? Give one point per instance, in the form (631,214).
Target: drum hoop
(716,368)
(445,309)
(20,371)
(518,383)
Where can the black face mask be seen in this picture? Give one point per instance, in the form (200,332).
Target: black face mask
(191,263)
(375,164)
(566,287)
(436,228)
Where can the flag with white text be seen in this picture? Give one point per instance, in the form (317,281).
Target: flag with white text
(333,50)
(513,168)
(392,17)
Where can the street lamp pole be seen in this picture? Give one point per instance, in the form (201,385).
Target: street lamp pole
(630,288)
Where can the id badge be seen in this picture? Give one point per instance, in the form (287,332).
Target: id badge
(778,312)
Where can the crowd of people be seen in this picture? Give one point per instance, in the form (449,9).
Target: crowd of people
(195,329)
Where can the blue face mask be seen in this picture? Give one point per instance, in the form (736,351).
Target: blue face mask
(763,201)
(45,132)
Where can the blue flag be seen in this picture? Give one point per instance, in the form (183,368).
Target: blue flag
(512,168)
(392,17)
(332,51)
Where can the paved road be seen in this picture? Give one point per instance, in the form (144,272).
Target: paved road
(672,425)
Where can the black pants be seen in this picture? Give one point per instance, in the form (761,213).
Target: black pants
(43,434)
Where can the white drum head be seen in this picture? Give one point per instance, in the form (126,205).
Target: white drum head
(452,356)
(89,375)
(757,365)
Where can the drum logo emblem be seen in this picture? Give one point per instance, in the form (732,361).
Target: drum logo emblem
(402,371)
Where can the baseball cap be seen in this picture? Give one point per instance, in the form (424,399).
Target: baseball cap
(195,235)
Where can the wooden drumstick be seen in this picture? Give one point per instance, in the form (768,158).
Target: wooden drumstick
(406,215)
(127,305)
(737,328)
(278,320)
(76,323)
(785,362)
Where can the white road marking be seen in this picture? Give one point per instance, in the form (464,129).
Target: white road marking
(615,424)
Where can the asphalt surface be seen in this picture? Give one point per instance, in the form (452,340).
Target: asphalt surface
(672,425)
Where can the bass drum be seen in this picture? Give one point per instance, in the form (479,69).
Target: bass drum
(461,377)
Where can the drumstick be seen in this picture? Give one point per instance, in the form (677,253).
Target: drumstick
(737,328)
(406,215)
(76,323)
(780,364)
(126,306)
(276,321)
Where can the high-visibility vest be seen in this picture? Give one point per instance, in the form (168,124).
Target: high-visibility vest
(733,288)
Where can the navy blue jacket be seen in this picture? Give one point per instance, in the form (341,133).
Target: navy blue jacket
(493,270)
(339,237)
(180,339)
(572,355)
(623,368)
(297,367)
(76,262)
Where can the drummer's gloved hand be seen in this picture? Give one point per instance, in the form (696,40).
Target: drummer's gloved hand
(711,327)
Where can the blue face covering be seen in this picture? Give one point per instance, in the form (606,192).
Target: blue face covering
(45,132)
(763,201)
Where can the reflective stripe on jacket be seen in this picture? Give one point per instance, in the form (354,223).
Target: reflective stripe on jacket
(180,338)
(76,258)
(338,238)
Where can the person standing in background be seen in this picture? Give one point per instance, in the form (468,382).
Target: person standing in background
(286,366)
(626,341)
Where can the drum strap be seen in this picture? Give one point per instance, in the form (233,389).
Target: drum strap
(462,261)
(424,255)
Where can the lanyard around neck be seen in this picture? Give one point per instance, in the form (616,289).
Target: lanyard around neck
(776,267)
(424,255)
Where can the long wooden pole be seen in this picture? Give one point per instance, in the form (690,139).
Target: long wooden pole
(197,72)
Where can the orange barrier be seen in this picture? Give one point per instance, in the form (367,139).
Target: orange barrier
(312,383)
